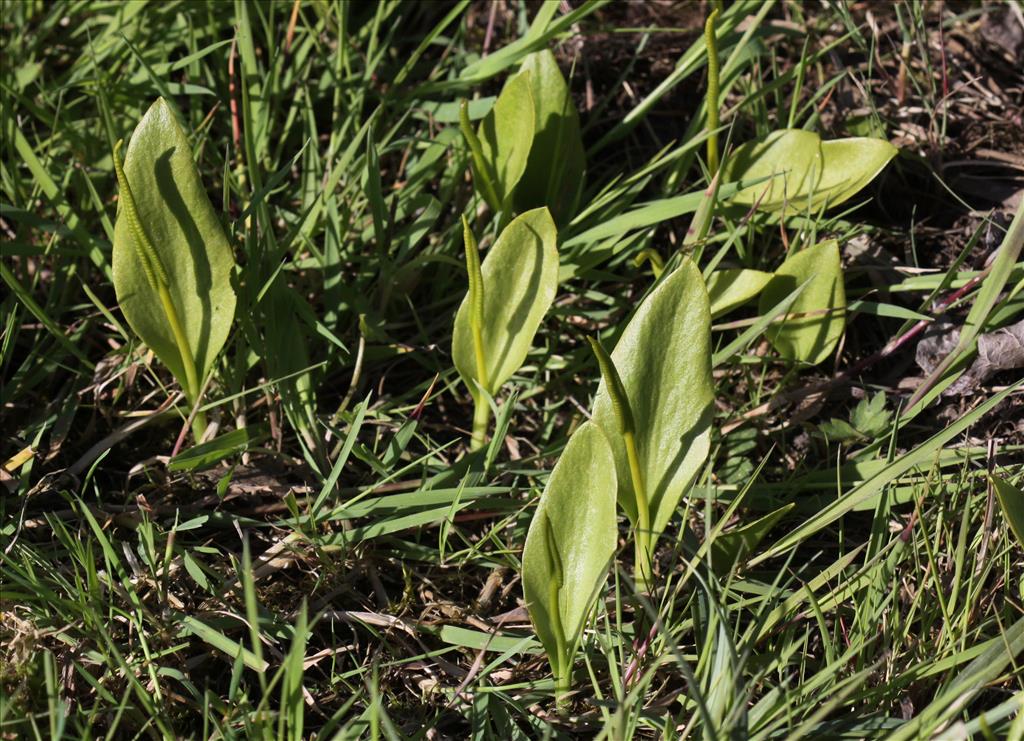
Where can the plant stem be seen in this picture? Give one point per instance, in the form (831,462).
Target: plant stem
(712,98)
(562,680)
(478,351)
(562,669)
(482,407)
(481,421)
(191,377)
(627,426)
(642,538)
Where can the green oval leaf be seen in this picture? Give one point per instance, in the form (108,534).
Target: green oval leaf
(520,277)
(571,541)
(664,361)
(733,287)
(189,240)
(787,163)
(797,171)
(817,318)
(554,171)
(506,135)
(849,165)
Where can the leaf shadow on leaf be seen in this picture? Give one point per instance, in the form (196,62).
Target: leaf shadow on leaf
(200,259)
(686,441)
(517,321)
(555,167)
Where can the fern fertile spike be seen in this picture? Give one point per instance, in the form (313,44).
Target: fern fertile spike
(489,193)
(476,301)
(616,391)
(713,92)
(155,273)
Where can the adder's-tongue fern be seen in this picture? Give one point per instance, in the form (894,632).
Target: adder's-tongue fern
(156,276)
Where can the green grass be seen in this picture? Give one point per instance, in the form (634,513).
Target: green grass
(335,561)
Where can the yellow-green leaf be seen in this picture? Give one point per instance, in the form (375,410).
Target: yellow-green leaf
(733,287)
(520,277)
(850,164)
(664,361)
(554,170)
(506,136)
(798,171)
(571,542)
(788,164)
(182,226)
(816,320)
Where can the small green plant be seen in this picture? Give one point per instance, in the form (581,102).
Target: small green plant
(797,590)
(568,548)
(500,148)
(868,420)
(554,172)
(804,173)
(508,296)
(654,404)
(791,171)
(528,151)
(644,447)
(172,263)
